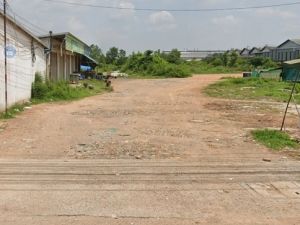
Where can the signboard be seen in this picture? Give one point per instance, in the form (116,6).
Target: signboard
(74,45)
(10,51)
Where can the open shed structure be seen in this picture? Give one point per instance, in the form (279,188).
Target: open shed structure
(291,70)
(66,54)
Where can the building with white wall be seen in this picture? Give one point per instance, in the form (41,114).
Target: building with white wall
(25,57)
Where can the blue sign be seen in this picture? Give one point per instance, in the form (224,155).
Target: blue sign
(10,51)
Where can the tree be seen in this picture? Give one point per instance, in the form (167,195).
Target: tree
(97,54)
(233,59)
(174,56)
(121,57)
(225,59)
(257,61)
(112,55)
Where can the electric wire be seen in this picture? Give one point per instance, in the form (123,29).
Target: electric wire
(173,10)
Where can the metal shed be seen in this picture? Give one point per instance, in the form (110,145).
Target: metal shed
(291,70)
(67,54)
(289,50)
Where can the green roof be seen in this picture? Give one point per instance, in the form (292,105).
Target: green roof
(74,44)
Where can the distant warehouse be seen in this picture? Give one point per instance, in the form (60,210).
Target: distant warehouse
(288,50)
(25,57)
(189,55)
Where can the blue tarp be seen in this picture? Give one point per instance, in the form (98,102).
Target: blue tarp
(85,68)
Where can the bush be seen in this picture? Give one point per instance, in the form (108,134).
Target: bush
(39,88)
(152,64)
(61,90)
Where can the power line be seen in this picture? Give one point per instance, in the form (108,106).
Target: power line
(5,54)
(174,10)
(32,27)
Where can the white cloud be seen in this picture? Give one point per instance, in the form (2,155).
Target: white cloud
(225,21)
(132,30)
(162,20)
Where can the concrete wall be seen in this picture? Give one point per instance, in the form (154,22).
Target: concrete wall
(22,65)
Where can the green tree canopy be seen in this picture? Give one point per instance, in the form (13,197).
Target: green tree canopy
(97,54)
(112,55)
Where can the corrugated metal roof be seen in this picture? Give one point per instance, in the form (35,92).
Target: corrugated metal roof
(254,50)
(93,60)
(245,51)
(297,41)
(66,36)
(267,48)
(62,35)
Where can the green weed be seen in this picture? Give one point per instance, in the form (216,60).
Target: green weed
(252,89)
(63,91)
(275,140)
(13,111)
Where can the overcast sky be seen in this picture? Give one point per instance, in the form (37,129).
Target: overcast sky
(164,30)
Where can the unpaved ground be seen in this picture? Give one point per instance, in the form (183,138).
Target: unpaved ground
(142,119)
(153,152)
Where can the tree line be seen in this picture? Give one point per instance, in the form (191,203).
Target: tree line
(162,64)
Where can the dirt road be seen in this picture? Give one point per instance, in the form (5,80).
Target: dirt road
(143,119)
(152,152)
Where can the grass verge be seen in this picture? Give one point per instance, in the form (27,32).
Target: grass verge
(14,110)
(274,139)
(252,89)
(58,91)
(63,91)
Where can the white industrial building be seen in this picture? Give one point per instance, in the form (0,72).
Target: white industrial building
(190,55)
(25,56)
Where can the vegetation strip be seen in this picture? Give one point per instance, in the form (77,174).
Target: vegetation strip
(274,139)
(252,89)
(157,64)
(57,91)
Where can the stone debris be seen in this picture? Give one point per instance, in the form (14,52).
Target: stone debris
(267,160)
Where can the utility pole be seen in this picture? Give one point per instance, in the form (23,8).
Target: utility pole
(289,101)
(5,55)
